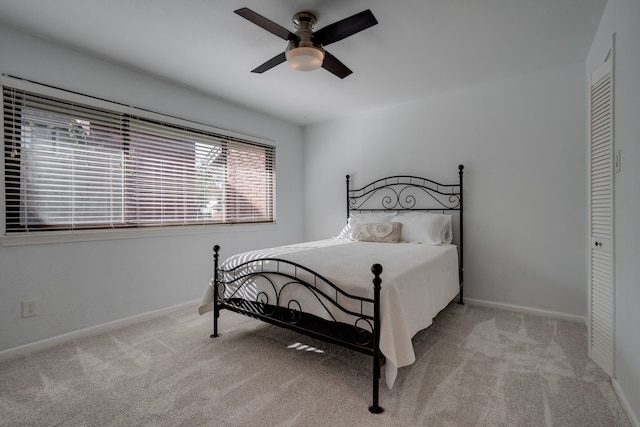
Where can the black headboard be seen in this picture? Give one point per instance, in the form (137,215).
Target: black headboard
(405,193)
(411,193)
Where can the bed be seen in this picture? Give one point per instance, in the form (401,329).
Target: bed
(384,277)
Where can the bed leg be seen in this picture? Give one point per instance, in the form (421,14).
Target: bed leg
(375,408)
(216,309)
(461,243)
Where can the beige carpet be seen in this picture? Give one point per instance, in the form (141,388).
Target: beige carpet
(476,367)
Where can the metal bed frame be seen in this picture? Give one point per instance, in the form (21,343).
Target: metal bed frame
(396,193)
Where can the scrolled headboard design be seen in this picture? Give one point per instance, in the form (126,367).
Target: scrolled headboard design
(405,193)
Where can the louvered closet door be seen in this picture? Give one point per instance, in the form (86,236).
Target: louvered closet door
(601,296)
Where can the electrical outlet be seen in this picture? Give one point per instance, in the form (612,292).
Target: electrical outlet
(29,308)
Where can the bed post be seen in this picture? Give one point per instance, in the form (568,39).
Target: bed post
(216,309)
(376,269)
(460,255)
(347,197)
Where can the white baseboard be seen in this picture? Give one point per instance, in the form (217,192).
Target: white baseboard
(93,330)
(633,418)
(527,310)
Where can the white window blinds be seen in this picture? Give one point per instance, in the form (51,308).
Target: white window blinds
(71,165)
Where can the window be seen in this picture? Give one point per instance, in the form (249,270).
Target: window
(73,165)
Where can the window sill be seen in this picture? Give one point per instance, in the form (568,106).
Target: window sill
(43,238)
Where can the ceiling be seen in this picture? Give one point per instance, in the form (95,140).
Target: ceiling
(419,48)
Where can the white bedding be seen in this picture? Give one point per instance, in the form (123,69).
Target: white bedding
(418,281)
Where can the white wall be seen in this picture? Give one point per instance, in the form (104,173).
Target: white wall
(522,142)
(622,17)
(83,284)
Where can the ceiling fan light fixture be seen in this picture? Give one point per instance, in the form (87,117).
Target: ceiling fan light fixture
(305,49)
(305,58)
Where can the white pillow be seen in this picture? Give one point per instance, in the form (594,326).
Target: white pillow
(424,227)
(447,231)
(364,218)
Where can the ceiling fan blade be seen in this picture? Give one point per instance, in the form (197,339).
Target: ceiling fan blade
(268,25)
(276,60)
(344,28)
(333,65)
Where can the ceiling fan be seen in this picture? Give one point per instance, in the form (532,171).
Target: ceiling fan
(305,50)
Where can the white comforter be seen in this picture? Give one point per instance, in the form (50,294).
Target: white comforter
(418,281)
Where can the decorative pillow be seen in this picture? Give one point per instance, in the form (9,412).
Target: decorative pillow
(364,218)
(423,227)
(384,232)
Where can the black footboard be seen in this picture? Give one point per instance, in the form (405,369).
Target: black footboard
(261,289)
